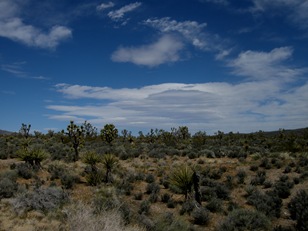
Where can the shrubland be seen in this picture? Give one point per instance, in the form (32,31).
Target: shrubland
(79,179)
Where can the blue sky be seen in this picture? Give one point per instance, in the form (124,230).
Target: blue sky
(211,65)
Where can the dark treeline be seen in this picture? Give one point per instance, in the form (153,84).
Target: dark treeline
(68,143)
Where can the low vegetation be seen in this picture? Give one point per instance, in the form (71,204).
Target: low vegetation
(79,179)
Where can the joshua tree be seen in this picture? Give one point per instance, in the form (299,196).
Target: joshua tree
(76,135)
(195,179)
(90,130)
(109,133)
(25,130)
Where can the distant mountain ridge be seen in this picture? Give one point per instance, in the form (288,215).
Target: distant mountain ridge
(3,132)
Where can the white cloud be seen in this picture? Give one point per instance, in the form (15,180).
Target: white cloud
(105,6)
(13,27)
(192,31)
(244,107)
(119,14)
(259,65)
(165,50)
(223,54)
(266,101)
(296,10)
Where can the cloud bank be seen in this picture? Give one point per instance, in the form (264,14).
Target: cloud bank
(260,102)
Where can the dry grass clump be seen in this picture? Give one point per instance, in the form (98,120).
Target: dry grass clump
(81,217)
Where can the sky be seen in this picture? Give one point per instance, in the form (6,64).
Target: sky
(210,65)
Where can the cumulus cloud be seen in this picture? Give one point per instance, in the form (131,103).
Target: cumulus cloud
(244,107)
(13,27)
(119,14)
(165,50)
(259,65)
(105,6)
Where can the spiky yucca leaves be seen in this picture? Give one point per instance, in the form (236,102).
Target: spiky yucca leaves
(91,158)
(110,162)
(33,156)
(182,179)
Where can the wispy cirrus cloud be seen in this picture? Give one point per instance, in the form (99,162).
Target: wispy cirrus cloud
(104,6)
(120,13)
(296,10)
(192,31)
(165,50)
(13,27)
(16,69)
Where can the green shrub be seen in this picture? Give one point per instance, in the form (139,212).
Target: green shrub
(56,170)
(241,175)
(24,170)
(201,216)
(167,222)
(150,178)
(8,188)
(125,187)
(244,220)
(222,191)
(153,197)
(152,188)
(298,208)
(265,163)
(281,228)
(254,168)
(69,180)
(259,178)
(282,187)
(59,151)
(126,213)
(171,203)
(105,199)
(144,207)
(94,178)
(269,203)
(165,197)
(214,205)
(187,207)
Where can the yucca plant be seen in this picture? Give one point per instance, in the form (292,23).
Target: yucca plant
(182,179)
(92,158)
(33,156)
(109,161)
